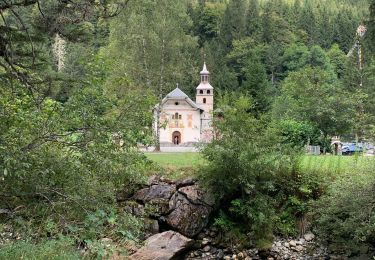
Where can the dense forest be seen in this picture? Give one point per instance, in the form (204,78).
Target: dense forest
(78,80)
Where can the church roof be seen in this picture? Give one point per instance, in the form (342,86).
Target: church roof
(180,95)
(177,93)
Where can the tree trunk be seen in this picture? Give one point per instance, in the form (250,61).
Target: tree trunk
(161,85)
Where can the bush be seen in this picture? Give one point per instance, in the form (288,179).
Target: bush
(251,167)
(345,216)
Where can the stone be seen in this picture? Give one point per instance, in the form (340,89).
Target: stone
(220,254)
(292,243)
(134,208)
(185,182)
(151,226)
(189,211)
(286,244)
(197,195)
(299,248)
(163,246)
(206,248)
(278,244)
(241,255)
(205,241)
(226,257)
(309,237)
(106,240)
(154,192)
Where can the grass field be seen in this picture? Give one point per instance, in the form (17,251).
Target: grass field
(337,164)
(323,163)
(176,160)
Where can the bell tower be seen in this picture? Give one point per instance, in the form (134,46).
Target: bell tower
(205,93)
(205,100)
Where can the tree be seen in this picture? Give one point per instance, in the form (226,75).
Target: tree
(296,57)
(155,47)
(315,96)
(245,58)
(233,25)
(337,59)
(370,34)
(307,21)
(207,22)
(253,19)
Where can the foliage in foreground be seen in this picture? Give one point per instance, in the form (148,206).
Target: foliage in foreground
(62,163)
(266,188)
(47,249)
(255,174)
(345,216)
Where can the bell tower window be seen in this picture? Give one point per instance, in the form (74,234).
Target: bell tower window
(204,100)
(208,91)
(200,91)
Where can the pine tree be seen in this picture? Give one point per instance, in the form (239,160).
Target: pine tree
(233,25)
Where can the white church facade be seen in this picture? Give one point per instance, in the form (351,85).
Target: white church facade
(185,122)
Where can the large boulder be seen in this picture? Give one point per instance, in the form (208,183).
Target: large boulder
(181,206)
(161,191)
(156,197)
(190,209)
(168,245)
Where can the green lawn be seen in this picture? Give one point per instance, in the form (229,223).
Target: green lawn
(338,164)
(322,163)
(176,160)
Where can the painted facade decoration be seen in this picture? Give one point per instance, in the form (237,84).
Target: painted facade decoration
(185,122)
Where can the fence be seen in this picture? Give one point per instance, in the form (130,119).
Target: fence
(312,149)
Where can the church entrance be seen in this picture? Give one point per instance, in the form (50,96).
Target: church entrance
(176,137)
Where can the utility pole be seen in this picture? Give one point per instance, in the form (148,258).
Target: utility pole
(360,33)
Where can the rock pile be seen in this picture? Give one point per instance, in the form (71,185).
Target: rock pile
(185,208)
(167,205)
(211,248)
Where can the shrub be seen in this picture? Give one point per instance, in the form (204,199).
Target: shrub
(251,167)
(345,216)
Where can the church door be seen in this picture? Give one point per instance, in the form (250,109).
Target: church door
(176,137)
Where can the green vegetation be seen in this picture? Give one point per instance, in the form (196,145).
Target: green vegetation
(345,215)
(53,249)
(176,160)
(78,80)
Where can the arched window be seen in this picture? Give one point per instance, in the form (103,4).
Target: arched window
(208,91)
(204,100)
(200,91)
(176,115)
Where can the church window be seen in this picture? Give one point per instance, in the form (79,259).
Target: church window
(175,116)
(179,116)
(200,91)
(208,91)
(204,100)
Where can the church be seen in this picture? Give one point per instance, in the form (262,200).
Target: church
(185,122)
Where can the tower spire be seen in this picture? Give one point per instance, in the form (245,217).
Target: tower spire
(204,73)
